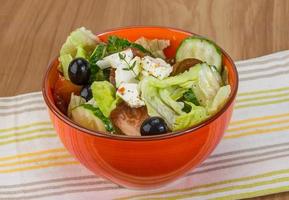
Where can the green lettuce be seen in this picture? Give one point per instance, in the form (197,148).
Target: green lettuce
(160,103)
(220,99)
(207,85)
(104,95)
(166,98)
(80,37)
(186,99)
(154,103)
(80,43)
(65,61)
(186,120)
(190,75)
(67,58)
(80,52)
(177,92)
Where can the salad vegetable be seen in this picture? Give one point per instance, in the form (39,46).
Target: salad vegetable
(129,87)
(104,96)
(201,49)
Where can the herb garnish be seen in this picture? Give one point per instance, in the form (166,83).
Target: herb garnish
(116,44)
(191,97)
(97,74)
(129,67)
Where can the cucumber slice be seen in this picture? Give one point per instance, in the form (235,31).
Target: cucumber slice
(75,101)
(201,49)
(92,118)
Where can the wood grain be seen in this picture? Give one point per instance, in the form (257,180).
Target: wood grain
(32,31)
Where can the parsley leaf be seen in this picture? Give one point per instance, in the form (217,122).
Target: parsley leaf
(116,44)
(97,74)
(191,97)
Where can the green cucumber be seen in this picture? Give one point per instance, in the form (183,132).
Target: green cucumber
(91,117)
(201,49)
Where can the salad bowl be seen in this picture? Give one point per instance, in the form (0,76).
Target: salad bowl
(142,162)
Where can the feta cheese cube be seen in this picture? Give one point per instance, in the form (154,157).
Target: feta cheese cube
(103,64)
(156,67)
(130,94)
(116,62)
(122,75)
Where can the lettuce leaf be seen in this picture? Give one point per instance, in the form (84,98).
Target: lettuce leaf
(104,95)
(80,43)
(176,92)
(155,46)
(220,99)
(79,37)
(194,117)
(191,75)
(64,63)
(154,103)
(80,52)
(186,99)
(207,85)
(67,58)
(166,98)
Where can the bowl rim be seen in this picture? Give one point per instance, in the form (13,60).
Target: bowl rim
(69,122)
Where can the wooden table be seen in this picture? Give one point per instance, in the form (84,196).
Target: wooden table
(32,31)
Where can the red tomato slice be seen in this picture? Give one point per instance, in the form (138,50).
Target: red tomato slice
(62,92)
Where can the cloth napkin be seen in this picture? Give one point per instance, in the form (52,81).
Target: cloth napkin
(251,160)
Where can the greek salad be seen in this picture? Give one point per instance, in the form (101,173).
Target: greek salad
(131,88)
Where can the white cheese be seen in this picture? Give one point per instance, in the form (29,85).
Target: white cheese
(103,64)
(130,94)
(115,60)
(156,67)
(123,75)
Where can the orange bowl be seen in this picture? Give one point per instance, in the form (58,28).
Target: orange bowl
(142,162)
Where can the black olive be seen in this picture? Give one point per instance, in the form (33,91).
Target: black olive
(153,126)
(86,92)
(79,71)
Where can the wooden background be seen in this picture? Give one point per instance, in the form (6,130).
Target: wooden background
(32,31)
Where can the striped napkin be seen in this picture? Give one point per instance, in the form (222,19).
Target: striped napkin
(252,159)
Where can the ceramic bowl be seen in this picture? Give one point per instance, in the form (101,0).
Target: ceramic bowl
(142,162)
